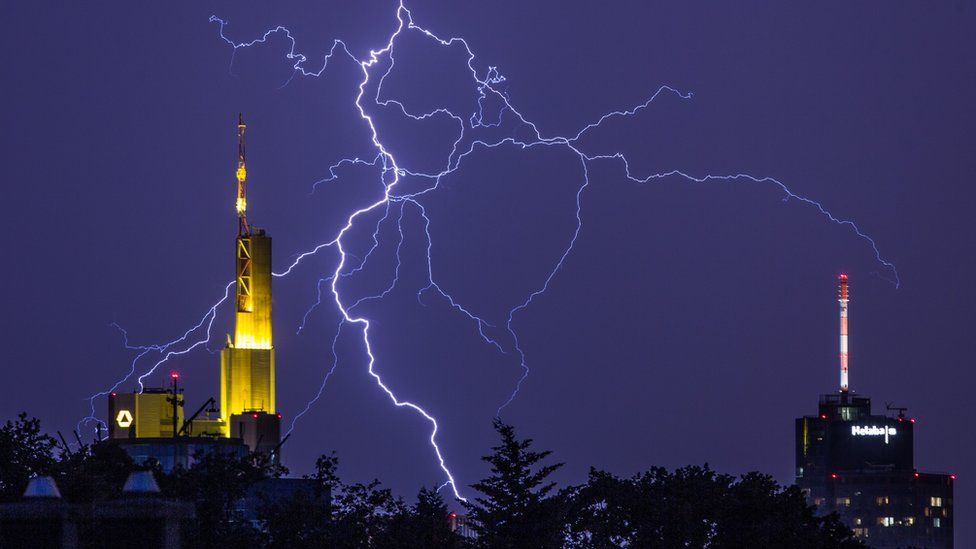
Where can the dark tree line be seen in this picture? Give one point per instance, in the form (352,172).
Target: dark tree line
(516,506)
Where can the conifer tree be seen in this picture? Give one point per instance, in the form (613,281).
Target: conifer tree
(518,506)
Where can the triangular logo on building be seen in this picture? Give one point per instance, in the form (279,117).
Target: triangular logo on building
(124,419)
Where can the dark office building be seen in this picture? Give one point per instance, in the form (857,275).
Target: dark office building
(862,466)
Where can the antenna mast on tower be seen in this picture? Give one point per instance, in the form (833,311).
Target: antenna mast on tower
(243,229)
(843,298)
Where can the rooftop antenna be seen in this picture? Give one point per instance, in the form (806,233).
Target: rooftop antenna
(843,298)
(176,401)
(64,443)
(274,452)
(900,409)
(189,422)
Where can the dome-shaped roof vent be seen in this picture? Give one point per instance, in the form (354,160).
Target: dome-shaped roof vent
(42,487)
(141,482)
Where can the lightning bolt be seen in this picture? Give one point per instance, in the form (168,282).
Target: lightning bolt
(392,172)
(486,86)
(432,285)
(325,380)
(179,346)
(389,165)
(359,268)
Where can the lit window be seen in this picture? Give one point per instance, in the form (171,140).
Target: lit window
(857,521)
(935,501)
(861,532)
(845,502)
(937,522)
(928,511)
(886,521)
(909,521)
(882,500)
(818,501)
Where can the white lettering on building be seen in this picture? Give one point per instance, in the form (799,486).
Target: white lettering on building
(873,431)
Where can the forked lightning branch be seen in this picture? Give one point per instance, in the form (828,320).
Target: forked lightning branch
(470,139)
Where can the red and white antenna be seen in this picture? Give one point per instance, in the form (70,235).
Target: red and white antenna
(843,299)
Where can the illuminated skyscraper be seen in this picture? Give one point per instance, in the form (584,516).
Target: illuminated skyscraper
(247,365)
(151,423)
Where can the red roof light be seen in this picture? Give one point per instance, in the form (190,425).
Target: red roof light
(952,477)
(823,416)
(174,374)
(833,475)
(915,474)
(912,420)
(255,416)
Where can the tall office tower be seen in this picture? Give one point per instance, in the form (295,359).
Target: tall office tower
(150,423)
(862,466)
(247,365)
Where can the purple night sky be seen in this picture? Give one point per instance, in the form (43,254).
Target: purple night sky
(691,322)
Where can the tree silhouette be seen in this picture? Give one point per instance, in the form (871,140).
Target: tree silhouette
(24,452)
(216,482)
(424,525)
(93,473)
(517,507)
(696,507)
(518,504)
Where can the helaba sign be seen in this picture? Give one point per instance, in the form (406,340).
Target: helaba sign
(873,431)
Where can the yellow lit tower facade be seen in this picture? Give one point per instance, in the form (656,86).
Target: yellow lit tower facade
(247,365)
